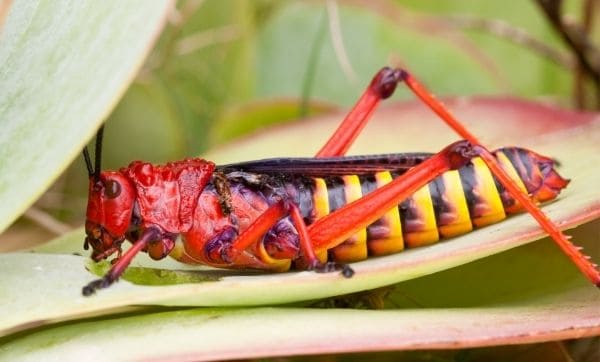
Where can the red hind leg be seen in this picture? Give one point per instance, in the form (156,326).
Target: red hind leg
(331,230)
(381,87)
(573,252)
(581,261)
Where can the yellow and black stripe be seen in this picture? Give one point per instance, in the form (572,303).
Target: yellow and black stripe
(452,204)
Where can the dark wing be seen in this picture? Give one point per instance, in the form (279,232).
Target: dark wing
(334,166)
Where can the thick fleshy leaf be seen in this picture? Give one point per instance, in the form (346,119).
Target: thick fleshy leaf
(57,279)
(537,306)
(64,66)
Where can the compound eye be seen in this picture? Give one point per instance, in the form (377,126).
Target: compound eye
(112,189)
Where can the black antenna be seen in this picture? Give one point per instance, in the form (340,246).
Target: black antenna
(98,152)
(94,171)
(88,161)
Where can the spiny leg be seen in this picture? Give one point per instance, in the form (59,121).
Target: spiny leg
(381,87)
(573,252)
(582,261)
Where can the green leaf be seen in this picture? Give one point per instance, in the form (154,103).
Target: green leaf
(64,66)
(569,309)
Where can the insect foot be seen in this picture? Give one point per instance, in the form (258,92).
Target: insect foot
(95,285)
(332,266)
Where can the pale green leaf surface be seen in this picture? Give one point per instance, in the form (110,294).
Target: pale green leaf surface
(64,64)
(47,287)
(224,333)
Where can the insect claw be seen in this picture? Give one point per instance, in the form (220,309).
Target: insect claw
(95,285)
(87,291)
(347,271)
(91,287)
(332,266)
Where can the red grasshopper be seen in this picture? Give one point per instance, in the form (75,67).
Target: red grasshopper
(317,213)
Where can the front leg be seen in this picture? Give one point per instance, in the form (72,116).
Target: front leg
(150,234)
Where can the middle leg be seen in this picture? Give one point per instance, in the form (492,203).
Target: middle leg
(266,221)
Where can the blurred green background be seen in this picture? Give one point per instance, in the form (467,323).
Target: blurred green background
(222,69)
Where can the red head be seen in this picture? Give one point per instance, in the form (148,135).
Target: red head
(164,198)
(109,212)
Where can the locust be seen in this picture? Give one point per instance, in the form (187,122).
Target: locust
(321,213)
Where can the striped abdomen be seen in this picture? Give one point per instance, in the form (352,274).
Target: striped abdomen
(452,204)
